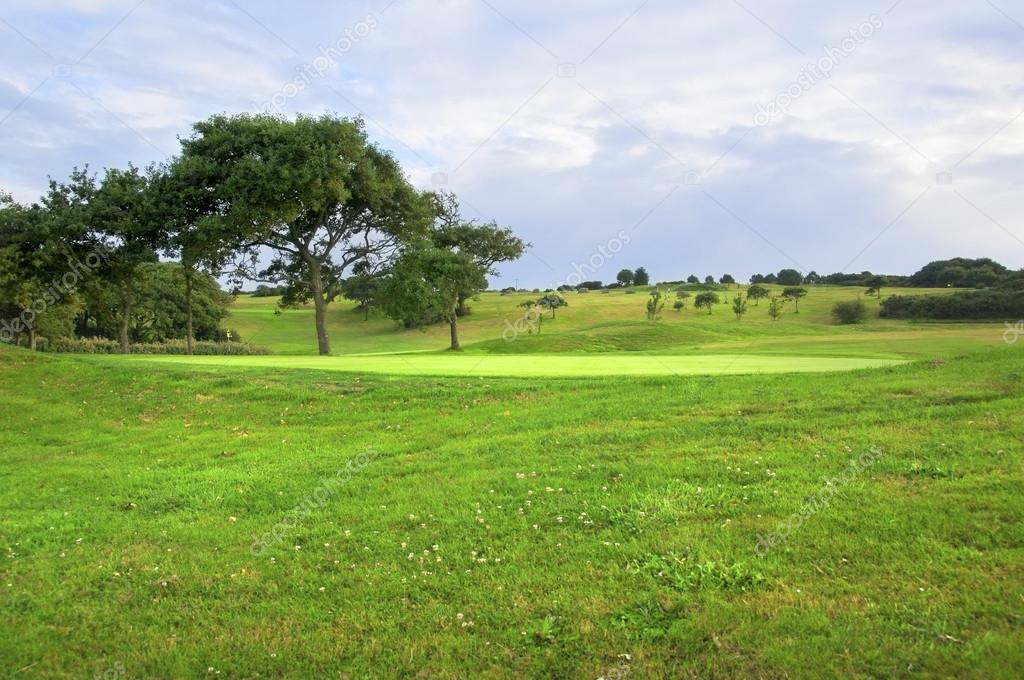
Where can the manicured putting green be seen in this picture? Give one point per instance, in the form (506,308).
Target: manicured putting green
(538,365)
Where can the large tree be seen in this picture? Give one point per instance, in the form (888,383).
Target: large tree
(122,220)
(312,193)
(427,282)
(37,292)
(188,209)
(486,244)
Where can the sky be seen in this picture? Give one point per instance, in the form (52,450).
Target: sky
(704,137)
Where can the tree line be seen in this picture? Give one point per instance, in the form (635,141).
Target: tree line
(308,206)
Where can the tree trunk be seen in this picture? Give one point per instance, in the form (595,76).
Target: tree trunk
(454,326)
(32,338)
(126,311)
(189,333)
(316,287)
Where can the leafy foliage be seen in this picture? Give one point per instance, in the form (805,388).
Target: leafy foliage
(982,304)
(739,306)
(655,305)
(849,312)
(757,292)
(706,301)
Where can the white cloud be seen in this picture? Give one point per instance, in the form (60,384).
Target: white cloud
(672,90)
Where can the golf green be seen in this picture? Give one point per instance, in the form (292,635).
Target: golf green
(535,365)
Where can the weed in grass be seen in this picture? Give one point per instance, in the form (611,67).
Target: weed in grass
(688,573)
(644,620)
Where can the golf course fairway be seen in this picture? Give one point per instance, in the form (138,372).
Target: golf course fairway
(535,365)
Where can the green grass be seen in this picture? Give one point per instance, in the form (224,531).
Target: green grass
(610,496)
(615,322)
(513,527)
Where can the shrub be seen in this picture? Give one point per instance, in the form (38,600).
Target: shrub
(981,304)
(104,346)
(849,311)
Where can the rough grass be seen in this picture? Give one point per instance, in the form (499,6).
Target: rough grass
(510,527)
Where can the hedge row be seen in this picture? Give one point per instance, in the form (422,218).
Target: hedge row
(104,346)
(981,304)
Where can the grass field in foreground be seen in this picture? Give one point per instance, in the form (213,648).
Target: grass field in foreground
(533,365)
(510,527)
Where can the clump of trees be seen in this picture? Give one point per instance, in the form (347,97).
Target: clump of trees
(997,304)
(960,272)
(629,277)
(310,208)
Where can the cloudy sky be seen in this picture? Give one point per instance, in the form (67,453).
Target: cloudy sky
(689,137)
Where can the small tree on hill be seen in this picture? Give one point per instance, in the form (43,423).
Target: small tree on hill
(875,285)
(739,307)
(756,293)
(706,301)
(655,303)
(709,280)
(678,305)
(641,277)
(625,277)
(794,293)
(692,279)
(775,305)
(726,279)
(552,301)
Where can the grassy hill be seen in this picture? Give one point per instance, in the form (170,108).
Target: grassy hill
(616,322)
